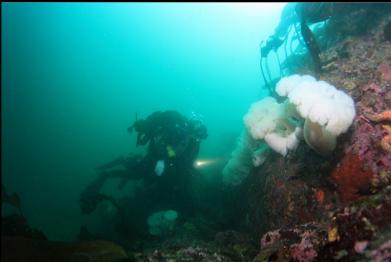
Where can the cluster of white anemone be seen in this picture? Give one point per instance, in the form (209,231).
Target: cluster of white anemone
(313,109)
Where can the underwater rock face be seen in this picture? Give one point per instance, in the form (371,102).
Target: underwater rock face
(337,208)
(19,249)
(300,243)
(162,222)
(16,225)
(345,235)
(191,253)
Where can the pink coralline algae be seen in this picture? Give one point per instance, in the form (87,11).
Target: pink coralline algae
(368,138)
(269,238)
(373,87)
(360,246)
(367,145)
(304,251)
(383,253)
(299,244)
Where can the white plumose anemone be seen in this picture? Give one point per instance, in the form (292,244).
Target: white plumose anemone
(262,117)
(328,112)
(267,119)
(283,144)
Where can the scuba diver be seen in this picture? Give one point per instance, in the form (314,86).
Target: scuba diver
(173,144)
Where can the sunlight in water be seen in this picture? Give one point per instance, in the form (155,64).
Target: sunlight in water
(257,8)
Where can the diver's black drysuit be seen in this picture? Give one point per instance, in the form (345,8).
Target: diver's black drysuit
(173,140)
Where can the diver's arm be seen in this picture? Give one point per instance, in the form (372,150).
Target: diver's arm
(116,162)
(97,184)
(94,187)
